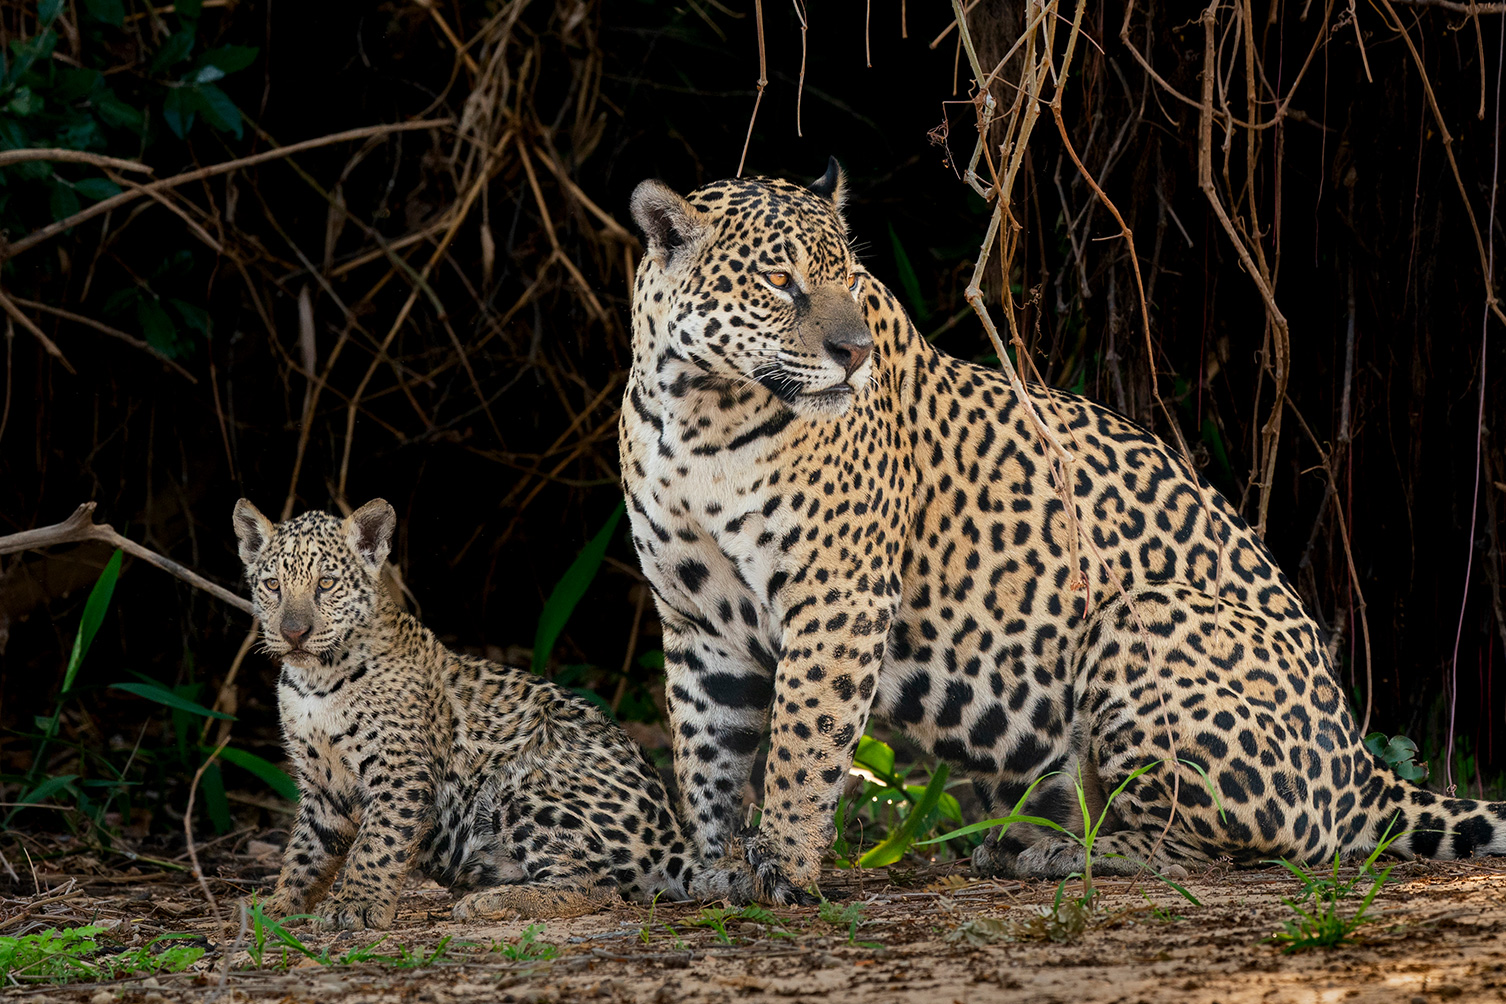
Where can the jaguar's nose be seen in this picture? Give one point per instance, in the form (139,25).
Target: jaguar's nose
(849,352)
(294,632)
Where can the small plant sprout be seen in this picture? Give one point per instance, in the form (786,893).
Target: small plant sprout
(528,948)
(850,916)
(74,954)
(1324,924)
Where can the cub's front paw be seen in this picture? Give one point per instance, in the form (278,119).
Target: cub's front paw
(340,914)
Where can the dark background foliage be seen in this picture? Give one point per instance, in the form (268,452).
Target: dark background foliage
(460,293)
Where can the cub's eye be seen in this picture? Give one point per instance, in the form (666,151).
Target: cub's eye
(272,584)
(326,584)
(778,279)
(852,280)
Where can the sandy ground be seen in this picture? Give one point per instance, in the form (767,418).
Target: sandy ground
(928,935)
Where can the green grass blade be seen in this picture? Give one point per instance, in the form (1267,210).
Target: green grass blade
(908,280)
(275,777)
(160,694)
(894,847)
(569,590)
(46,789)
(94,616)
(1015,816)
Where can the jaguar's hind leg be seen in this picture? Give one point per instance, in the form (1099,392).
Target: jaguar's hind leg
(1123,853)
(528,900)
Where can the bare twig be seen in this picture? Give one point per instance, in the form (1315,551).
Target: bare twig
(36,237)
(80,527)
(193,854)
(9,157)
(9,306)
(100,326)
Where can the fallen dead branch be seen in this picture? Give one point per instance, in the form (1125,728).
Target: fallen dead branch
(80,528)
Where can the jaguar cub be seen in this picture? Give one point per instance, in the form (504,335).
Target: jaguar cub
(412,758)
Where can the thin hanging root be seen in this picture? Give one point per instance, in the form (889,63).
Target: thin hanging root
(763,81)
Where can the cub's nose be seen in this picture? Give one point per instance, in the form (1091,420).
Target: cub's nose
(294,631)
(850,351)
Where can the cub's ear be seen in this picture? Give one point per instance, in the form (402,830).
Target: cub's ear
(667,220)
(368,531)
(832,185)
(252,529)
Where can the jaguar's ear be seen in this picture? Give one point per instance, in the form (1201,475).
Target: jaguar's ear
(252,529)
(667,220)
(832,185)
(368,531)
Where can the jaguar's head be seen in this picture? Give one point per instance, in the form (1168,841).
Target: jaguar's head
(315,579)
(753,280)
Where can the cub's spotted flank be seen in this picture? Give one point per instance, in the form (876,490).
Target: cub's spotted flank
(839,520)
(412,758)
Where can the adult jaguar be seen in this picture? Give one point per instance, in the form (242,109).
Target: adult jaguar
(838,520)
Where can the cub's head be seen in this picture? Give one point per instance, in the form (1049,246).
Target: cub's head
(315,579)
(752,280)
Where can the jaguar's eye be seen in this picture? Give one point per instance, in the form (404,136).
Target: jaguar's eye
(272,584)
(326,584)
(778,279)
(852,280)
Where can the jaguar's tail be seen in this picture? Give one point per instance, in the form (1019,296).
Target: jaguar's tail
(1423,823)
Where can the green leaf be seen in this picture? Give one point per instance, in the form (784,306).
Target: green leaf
(269,772)
(230,58)
(899,841)
(206,75)
(48,10)
(189,8)
(74,84)
(94,616)
(874,756)
(174,50)
(569,590)
(1400,748)
(194,316)
(157,326)
(219,111)
(177,110)
(215,803)
(1411,770)
(25,102)
(116,112)
(111,12)
(96,189)
(908,280)
(160,694)
(1375,742)
(63,202)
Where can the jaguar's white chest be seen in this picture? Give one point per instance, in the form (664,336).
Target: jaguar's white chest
(710,531)
(324,729)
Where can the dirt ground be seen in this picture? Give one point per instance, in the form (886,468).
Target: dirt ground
(921,936)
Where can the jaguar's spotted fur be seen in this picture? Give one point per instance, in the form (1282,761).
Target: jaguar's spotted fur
(412,758)
(840,520)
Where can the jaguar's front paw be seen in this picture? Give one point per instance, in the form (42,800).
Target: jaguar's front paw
(996,858)
(276,906)
(749,873)
(341,914)
(770,884)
